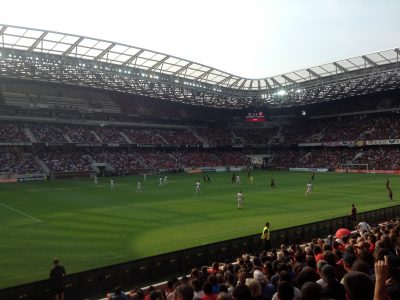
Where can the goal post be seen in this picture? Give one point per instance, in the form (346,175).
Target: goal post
(354,168)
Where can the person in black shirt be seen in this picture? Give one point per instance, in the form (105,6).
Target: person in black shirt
(353,215)
(273,183)
(57,274)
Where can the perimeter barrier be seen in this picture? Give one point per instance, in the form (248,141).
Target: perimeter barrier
(94,283)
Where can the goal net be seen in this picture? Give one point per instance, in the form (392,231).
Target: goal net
(354,168)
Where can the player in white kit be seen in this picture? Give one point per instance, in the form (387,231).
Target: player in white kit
(309,189)
(240,200)
(112,184)
(197,187)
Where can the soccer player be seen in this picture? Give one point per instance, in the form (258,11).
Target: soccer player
(273,186)
(309,189)
(165,179)
(240,200)
(112,184)
(251,179)
(390,192)
(160,182)
(208,179)
(237,179)
(197,187)
(144,176)
(312,176)
(95,179)
(233,178)
(139,187)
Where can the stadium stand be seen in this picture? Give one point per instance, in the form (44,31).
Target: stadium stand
(54,128)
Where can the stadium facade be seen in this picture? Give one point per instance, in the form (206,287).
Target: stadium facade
(68,98)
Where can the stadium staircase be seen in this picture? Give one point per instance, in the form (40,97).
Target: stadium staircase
(69,140)
(126,137)
(162,138)
(96,136)
(42,165)
(201,139)
(30,135)
(237,140)
(278,138)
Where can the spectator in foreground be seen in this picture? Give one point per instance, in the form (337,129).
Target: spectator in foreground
(57,279)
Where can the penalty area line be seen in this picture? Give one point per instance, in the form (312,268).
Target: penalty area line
(22,213)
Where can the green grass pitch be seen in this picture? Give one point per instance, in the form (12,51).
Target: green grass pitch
(90,226)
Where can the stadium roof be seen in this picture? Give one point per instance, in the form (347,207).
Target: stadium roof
(60,57)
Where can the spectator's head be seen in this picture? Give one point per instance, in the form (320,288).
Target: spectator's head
(348,259)
(207,288)
(224,296)
(311,291)
(361,266)
(358,286)
(186,292)
(285,291)
(159,295)
(254,286)
(320,264)
(259,276)
(241,292)
(307,274)
(328,274)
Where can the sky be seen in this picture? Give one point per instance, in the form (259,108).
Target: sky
(248,38)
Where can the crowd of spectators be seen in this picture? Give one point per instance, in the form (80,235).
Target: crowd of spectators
(144,136)
(256,136)
(179,137)
(363,265)
(48,133)
(349,128)
(79,160)
(13,133)
(66,161)
(216,136)
(14,160)
(109,134)
(81,135)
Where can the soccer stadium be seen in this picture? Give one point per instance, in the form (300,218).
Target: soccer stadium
(151,176)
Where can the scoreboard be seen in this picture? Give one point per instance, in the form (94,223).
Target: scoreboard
(255,117)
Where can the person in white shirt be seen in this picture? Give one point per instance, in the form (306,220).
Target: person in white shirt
(363,227)
(165,179)
(309,189)
(112,184)
(240,200)
(197,187)
(139,187)
(160,183)
(237,179)
(95,179)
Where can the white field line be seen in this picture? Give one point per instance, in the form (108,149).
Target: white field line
(22,213)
